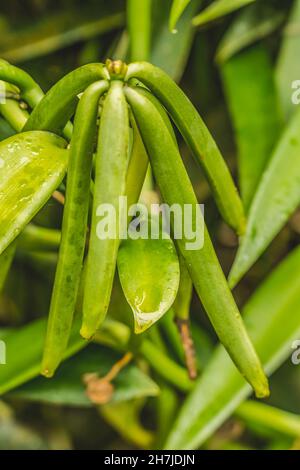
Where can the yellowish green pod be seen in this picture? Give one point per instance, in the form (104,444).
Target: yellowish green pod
(110,184)
(203,265)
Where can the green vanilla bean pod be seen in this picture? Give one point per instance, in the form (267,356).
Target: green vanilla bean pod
(198,138)
(203,265)
(59,104)
(162,112)
(74,225)
(110,185)
(29,89)
(137,166)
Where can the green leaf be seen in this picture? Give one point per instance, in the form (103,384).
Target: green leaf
(288,68)
(149,274)
(198,138)
(171,51)
(67,387)
(252,24)
(273,326)
(277,196)
(24,348)
(218,9)
(32,166)
(178,7)
(205,271)
(254,112)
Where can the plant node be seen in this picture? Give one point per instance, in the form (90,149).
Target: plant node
(116,69)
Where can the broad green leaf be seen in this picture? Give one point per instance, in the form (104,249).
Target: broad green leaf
(254,111)
(32,165)
(252,24)
(171,51)
(67,387)
(288,67)
(273,324)
(277,196)
(178,7)
(218,9)
(149,274)
(24,348)
(202,262)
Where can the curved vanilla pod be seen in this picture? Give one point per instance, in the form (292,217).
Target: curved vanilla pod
(30,91)
(160,109)
(110,184)
(71,252)
(197,137)
(56,108)
(203,265)
(137,166)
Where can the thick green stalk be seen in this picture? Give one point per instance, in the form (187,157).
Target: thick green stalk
(110,184)
(69,267)
(166,367)
(197,136)
(139,21)
(203,265)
